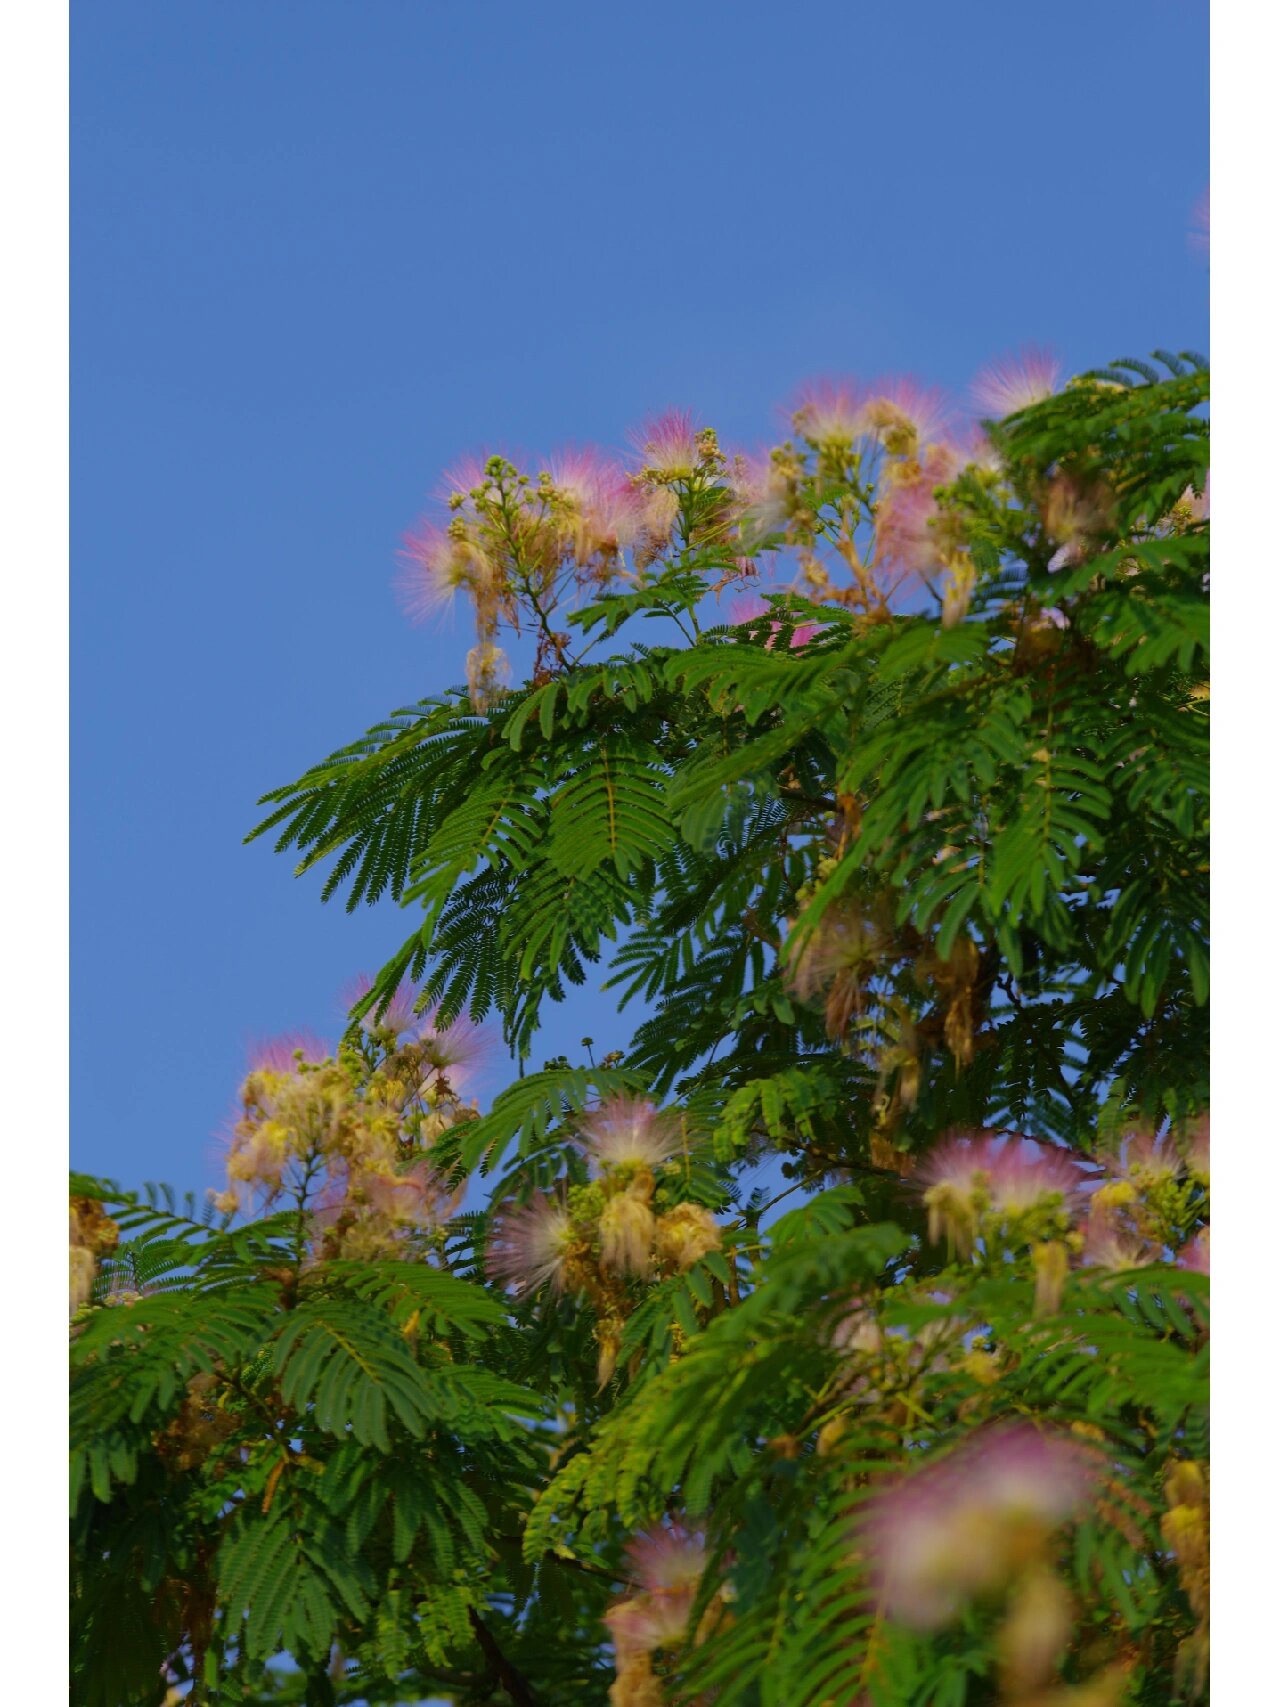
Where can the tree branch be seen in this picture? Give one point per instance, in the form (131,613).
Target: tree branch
(511,1678)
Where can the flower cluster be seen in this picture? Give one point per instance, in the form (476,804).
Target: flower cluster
(666,1566)
(995,1194)
(348,1135)
(520,545)
(970,1523)
(853,494)
(626,1223)
(1153,1200)
(92,1234)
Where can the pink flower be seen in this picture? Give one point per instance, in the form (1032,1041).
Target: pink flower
(280,1054)
(751,607)
(667,1566)
(966,1178)
(905,536)
(761,493)
(668,444)
(435,564)
(1145,1158)
(627,1133)
(829,412)
(1109,1243)
(905,414)
(1195,1256)
(529,1246)
(467,475)
(1025,1173)
(667,1559)
(418,1196)
(1016,382)
(401,1014)
(957,1528)
(608,512)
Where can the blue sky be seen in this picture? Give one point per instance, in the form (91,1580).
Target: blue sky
(321,249)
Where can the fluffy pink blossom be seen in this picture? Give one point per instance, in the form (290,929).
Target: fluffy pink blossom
(668,443)
(1195,1256)
(967,1178)
(609,512)
(953,1530)
(401,1013)
(667,1565)
(829,412)
(1025,1173)
(905,537)
(667,1558)
(893,406)
(529,1246)
(626,1132)
(434,566)
(280,1054)
(1145,1158)
(418,1195)
(761,491)
(467,475)
(1110,1244)
(1016,382)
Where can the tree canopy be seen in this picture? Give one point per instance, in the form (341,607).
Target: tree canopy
(843,1337)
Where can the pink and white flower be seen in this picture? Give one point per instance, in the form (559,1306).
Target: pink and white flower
(1017,382)
(667,444)
(628,1133)
(957,1528)
(285,1053)
(829,413)
(529,1246)
(904,414)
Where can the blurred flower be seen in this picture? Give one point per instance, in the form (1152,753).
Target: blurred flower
(437,563)
(762,492)
(283,1054)
(1146,1159)
(828,413)
(1025,1174)
(625,1133)
(1074,516)
(605,513)
(907,538)
(1111,1244)
(401,1012)
(626,1234)
(1035,1631)
(668,444)
(965,1523)
(669,1559)
(904,415)
(858,1330)
(667,1565)
(1017,382)
(486,675)
(82,1270)
(530,1247)
(685,1234)
(1195,1256)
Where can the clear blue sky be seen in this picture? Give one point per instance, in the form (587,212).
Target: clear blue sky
(320,248)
